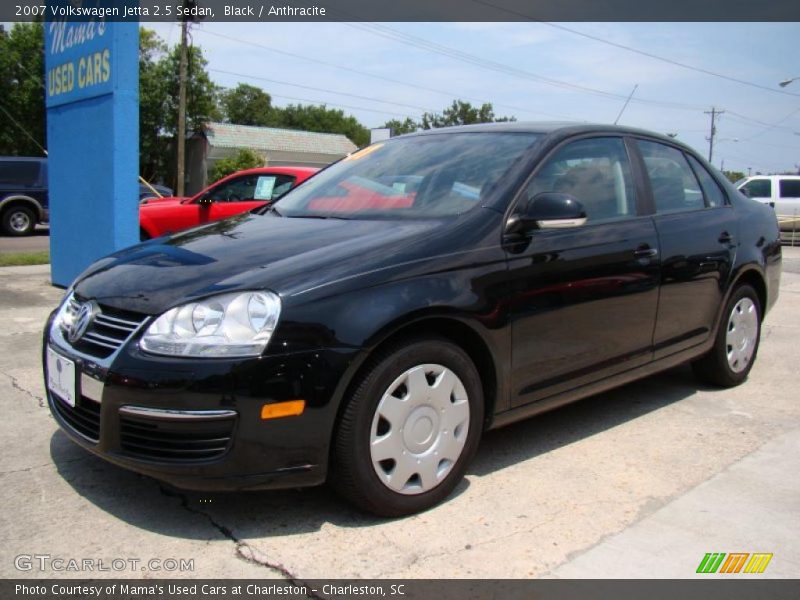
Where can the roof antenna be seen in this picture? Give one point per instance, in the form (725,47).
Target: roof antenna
(624,106)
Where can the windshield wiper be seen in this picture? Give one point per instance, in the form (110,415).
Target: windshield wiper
(317,217)
(270,209)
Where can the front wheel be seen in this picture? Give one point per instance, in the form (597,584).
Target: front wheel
(729,361)
(410,428)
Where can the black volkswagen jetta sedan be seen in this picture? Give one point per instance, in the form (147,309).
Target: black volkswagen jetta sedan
(368,328)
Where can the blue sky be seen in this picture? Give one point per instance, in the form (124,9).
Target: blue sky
(757,132)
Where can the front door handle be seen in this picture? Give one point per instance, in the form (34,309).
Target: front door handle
(725,238)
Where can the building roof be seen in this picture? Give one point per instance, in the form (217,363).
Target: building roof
(227,135)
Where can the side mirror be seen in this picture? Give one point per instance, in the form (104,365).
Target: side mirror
(548,210)
(744,191)
(205,201)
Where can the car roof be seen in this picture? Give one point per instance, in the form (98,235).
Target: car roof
(749,177)
(549,128)
(277,169)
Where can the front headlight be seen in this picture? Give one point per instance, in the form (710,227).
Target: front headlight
(66,314)
(238,324)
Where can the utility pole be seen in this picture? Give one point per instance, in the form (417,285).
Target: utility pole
(714,114)
(181,141)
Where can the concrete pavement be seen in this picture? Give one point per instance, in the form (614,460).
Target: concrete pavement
(614,486)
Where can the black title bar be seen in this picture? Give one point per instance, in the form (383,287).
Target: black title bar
(404,10)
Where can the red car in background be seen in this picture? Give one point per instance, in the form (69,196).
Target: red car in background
(237,193)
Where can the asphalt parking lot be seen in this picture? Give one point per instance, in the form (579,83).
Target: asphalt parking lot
(638,482)
(38,242)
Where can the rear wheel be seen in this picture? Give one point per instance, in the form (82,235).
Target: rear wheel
(729,362)
(18,220)
(410,428)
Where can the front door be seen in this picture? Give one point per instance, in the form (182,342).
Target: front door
(583,299)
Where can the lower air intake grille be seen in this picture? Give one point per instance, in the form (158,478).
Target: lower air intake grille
(175,440)
(84,417)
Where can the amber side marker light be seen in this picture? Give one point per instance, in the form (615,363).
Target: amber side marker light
(292,408)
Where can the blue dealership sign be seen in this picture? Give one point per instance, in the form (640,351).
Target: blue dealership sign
(92,86)
(79,63)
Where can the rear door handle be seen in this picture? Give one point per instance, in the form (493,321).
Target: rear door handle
(725,238)
(645,251)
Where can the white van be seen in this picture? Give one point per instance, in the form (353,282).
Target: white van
(782,192)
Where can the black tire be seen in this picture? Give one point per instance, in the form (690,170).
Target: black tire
(18,220)
(714,367)
(352,473)
(143,235)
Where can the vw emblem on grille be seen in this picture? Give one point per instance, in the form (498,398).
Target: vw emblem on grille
(81,323)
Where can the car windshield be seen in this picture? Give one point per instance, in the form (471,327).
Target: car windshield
(419,177)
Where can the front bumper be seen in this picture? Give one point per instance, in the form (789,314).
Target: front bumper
(196,423)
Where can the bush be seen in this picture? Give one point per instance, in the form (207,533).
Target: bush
(244,159)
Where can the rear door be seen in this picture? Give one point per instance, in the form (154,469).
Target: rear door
(582,300)
(697,233)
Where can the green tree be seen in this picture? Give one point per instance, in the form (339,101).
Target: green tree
(246,105)
(201,92)
(158,102)
(320,119)
(399,127)
(734,176)
(154,154)
(22,110)
(243,159)
(462,113)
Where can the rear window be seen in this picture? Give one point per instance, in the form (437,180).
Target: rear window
(790,188)
(19,172)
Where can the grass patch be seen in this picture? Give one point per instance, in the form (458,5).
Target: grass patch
(16,259)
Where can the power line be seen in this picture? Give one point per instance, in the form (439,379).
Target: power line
(25,131)
(375,76)
(640,52)
(326,103)
(416,41)
(316,89)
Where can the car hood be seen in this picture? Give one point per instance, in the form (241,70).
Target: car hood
(286,255)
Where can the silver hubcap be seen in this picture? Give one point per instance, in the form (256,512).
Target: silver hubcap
(19,221)
(419,429)
(740,339)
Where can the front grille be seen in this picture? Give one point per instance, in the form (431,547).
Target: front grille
(84,417)
(109,329)
(175,440)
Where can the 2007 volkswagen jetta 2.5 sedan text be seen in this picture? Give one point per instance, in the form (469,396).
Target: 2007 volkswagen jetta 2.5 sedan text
(369,326)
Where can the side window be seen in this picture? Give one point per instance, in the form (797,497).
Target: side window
(714,195)
(235,190)
(596,172)
(675,187)
(19,172)
(790,188)
(758,188)
(280,185)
